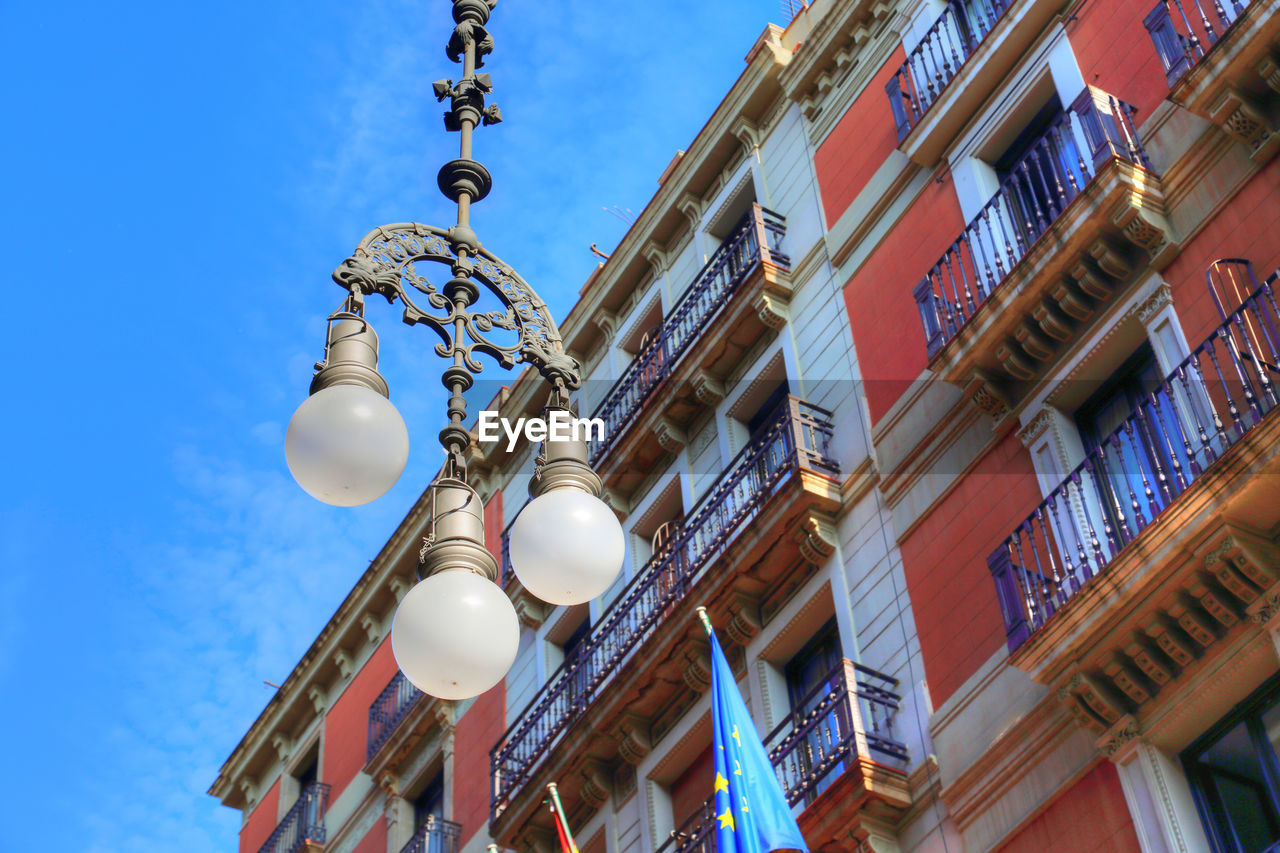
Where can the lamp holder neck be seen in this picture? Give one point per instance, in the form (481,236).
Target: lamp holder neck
(350,355)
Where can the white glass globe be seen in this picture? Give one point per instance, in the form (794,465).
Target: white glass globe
(346,445)
(566,546)
(455,634)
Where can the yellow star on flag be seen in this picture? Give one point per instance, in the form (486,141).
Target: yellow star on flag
(736,736)
(726,819)
(722,784)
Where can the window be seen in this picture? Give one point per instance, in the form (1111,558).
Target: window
(1235,776)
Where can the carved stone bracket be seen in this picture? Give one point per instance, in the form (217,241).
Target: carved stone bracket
(632,736)
(1240,119)
(816,538)
(531,611)
(282,745)
(319,698)
(1123,731)
(707,388)
(744,619)
(773,310)
(342,660)
(695,667)
(398,586)
(248,789)
(670,436)
(982,391)
(1090,703)
(372,627)
(597,783)
(692,207)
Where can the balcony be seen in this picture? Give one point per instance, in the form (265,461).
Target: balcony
(960,61)
(632,678)
(938,58)
(434,836)
(736,298)
(1219,59)
(1158,545)
(302,830)
(1062,233)
(399,719)
(831,758)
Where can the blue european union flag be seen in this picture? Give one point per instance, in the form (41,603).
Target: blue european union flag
(752,815)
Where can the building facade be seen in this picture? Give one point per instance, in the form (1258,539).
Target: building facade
(940,369)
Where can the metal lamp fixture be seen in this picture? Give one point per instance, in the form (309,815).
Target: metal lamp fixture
(455,633)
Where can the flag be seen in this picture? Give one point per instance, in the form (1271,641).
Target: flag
(562,822)
(752,814)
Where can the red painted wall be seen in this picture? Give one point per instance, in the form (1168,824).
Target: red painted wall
(375,840)
(1245,228)
(476,733)
(886,323)
(481,726)
(858,145)
(1116,54)
(1089,817)
(346,726)
(262,821)
(945,560)
(691,790)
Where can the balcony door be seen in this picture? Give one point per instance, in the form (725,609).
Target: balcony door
(1130,427)
(428,807)
(1037,172)
(809,682)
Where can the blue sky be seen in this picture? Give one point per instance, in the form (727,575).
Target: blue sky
(179,181)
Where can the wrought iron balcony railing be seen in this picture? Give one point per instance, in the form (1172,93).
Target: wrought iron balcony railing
(796,439)
(304,824)
(436,835)
(1184,33)
(1039,187)
(1202,408)
(387,711)
(938,58)
(848,713)
(756,239)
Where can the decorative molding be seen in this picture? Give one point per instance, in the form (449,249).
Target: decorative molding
(692,207)
(1154,304)
(1035,428)
(657,257)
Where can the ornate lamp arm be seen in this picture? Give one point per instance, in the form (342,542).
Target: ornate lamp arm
(390,260)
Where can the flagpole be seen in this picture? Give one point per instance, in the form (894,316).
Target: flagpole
(564,821)
(702,614)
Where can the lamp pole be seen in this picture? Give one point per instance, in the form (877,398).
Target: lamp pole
(455,633)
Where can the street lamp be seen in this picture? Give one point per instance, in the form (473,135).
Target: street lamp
(455,633)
